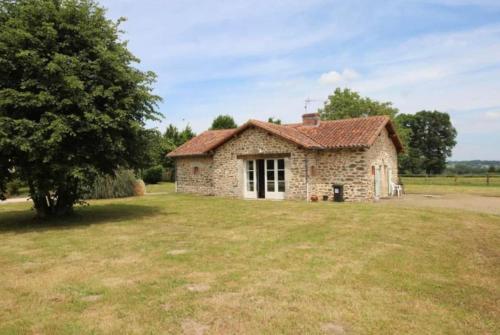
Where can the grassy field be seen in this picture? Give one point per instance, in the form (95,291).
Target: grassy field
(447,185)
(480,181)
(175,264)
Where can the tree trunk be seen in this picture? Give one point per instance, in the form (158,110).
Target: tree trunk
(49,205)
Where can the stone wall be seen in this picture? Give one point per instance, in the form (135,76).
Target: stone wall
(194,175)
(223,174)
(347,167)
(229,170)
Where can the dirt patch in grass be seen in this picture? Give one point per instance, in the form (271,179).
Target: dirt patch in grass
(198,287)
(192,327)
(332,328)
(92,298)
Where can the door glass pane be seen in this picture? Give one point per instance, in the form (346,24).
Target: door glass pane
(270,185)
(270,164)
(281,164)
(270,176)
(250,176)
(281,186)
(281,175)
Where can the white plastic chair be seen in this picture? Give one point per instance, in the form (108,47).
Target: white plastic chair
(397,189)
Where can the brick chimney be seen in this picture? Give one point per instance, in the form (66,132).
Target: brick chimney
(311,119)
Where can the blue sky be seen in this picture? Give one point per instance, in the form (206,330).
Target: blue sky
(256,59)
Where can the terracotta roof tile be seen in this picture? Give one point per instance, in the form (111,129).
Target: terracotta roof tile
(348,133)
(203,143)
(358,132)
(288,133)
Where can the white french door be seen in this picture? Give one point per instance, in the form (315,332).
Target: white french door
(275,178)
(250,179)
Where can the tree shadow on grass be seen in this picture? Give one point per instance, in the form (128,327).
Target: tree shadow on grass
(24,221)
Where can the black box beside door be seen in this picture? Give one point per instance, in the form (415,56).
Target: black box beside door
(338,193)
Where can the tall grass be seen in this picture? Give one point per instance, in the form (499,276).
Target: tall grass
(121,185)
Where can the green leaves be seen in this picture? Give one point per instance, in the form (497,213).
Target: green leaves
(344,104)
(223,122)
(431,137)
(72,104)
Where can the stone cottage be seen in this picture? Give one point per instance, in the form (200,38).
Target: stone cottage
(351,160)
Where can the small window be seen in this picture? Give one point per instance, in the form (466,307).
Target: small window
(196,170)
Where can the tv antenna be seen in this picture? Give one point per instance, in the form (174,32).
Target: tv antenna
(308,101)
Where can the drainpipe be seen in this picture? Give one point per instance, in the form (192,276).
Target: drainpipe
(307,177)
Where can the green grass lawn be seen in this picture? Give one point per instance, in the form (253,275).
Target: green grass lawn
(179,264)
(160,187)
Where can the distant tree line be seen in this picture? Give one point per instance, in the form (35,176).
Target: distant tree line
(473,167)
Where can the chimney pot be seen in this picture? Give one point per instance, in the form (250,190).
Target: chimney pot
(311,119)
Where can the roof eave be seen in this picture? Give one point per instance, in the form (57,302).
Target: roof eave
(189,155)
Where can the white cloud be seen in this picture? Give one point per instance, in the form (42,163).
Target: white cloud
(492,115)
(334,77)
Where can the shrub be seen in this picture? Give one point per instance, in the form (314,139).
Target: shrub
(153,175)
(121,185)
(168,175)
(13,187)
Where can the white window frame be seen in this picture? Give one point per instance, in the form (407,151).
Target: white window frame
(275,194)
(250,194)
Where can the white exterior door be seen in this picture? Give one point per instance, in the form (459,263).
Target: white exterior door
(389,181)
(275,178)
(250,179)
(378,184)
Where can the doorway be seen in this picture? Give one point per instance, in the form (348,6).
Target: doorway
(261,182)
(265,178)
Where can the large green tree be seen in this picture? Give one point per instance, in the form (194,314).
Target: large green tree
(344,104)
(430,141)
(223,122)
(72,104)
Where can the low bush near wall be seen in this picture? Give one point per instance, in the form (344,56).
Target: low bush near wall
(122,184)
(153,175)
